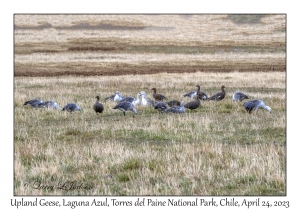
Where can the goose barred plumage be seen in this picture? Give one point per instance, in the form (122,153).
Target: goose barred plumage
(125,106)
(177,109)
(254,105)
(35,103)
(160,106)
(239,96)
(71,107)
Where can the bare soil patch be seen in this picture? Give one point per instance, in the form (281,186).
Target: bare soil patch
(132,69)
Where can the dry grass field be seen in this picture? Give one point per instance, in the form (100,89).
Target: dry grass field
(53,45)
(217,149)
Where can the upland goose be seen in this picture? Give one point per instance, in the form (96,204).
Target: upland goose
(160,106)
(36,103)
(110,98)
(191,94)
(255,105)
(173,103)
(98,107)
(127,98)
(152,102)
(51,105)
(193,104)
(125,106)
(137,101)
(177,109)
(239,96)
(145,101)
(118,97)
(219,96)
(194,93)
(158,97)
(201,95)
(71,107)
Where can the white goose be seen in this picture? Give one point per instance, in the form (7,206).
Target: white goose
(137,101)
(145,101)
(118,97)
(51,105)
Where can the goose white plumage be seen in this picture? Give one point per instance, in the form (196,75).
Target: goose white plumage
(137,101)
(145,101)
(118,97)
(51,105)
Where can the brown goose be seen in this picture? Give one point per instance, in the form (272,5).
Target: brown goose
(219,96)
(193,104)
(201,95)
(158,97)
(173,103)
(98,107)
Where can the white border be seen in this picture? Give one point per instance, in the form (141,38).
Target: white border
(154,6)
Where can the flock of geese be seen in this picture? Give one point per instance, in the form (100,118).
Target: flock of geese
(159,102)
